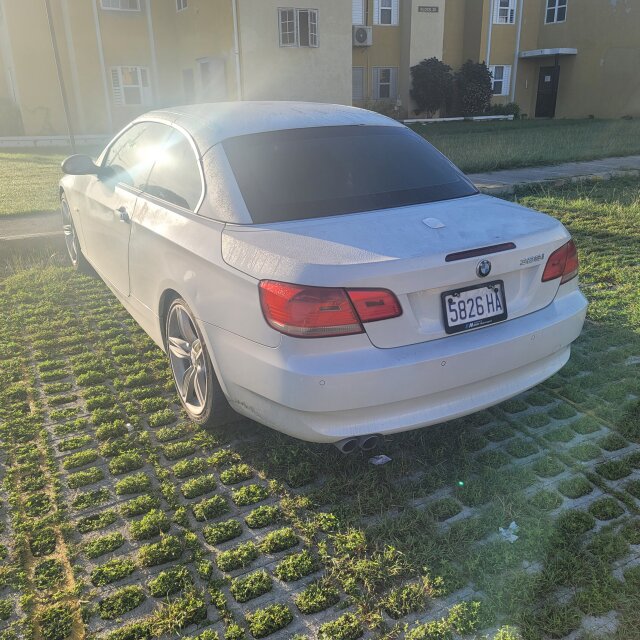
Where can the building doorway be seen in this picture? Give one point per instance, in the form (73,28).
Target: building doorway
(547,92)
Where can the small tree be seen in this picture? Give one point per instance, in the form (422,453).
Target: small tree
(432,86)
(473,88)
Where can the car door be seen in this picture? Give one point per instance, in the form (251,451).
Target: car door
(112,199)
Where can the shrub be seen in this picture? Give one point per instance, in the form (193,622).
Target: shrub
(509,109)
(222,531)
(251,586)
(96,521)
(169,582)
(150,525)
(241,556)
(472,89)
(431,86)
(318,596)
(186,468)
(169,548)
(198,486)
(135,483)
(138,506)
(346,627)
(104,544)
(130,461)
(210,508)
(249,494)
(236,473)
(112,571)
(263,516)
(263,622)
(120,602)
(296,566)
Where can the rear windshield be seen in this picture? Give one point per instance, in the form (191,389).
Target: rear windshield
(327,171)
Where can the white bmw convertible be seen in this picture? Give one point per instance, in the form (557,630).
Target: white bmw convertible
(321,269)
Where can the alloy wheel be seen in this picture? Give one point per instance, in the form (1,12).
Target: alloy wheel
(70,237)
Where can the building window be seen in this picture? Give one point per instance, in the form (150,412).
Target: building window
(556,11)
(501,76)
(385,83)
(131,86)
(385,12)
(120,5)
(357,83)
(504,11)
(181,5)
(298,27)
(358,12)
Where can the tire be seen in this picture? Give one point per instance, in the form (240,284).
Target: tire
(196,383)
(74,252)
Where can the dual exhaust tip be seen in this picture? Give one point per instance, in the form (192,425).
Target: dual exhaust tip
(364,443)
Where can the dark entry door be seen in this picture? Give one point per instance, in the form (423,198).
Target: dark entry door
(547,92)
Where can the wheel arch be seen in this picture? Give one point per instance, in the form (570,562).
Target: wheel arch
(167,297)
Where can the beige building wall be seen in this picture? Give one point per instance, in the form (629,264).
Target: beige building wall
(272,72)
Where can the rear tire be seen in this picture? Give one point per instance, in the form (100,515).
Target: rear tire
(76,257)
(196,383)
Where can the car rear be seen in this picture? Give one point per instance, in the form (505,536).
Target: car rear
(400,297)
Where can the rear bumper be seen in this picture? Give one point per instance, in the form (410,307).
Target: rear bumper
(325,396)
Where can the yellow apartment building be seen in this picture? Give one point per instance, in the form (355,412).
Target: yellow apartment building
(555,58)
(119,58)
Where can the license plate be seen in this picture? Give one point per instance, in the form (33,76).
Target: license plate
(474,306)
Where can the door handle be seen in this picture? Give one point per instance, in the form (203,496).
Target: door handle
(123,214)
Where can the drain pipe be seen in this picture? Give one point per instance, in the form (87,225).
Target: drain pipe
(236,49)
(516,58)
(490,30)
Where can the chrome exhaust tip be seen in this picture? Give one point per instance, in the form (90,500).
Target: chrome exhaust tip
(368,443)
(348,445)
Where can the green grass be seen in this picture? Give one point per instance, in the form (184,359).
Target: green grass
(489,146)
(170,526)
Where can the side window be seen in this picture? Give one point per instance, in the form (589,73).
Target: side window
(175,177)
(132,155)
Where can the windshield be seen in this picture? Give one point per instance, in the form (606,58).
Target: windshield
(326,171)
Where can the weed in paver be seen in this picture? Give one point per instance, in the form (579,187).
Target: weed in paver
(606,509)
(535,420)
(613,442)
(614,469)
(177,450)
(608,546)
(279,540)
(520,448)
(561,434)
(251,586)
(222,531)
(346,627)
(585,451)
(150,525)
(80,459)
(120,602)
(515,405)
(170,581)
(499,432)
(91,499)
(111,430)
(188,468)
(317,596)
(210,508)
(42,541)
(585,425)
(575,487)
(562,411)
(85,478)
(223,458)
(574,523)
(135,483)
(48,574)
(296,566)
(632,577)
(166,434)
(56,621)
(401,601)
(198,486)
(236,473)
(161,418)
(249,494)
(169,548)
(263,516)
(444,509)
(96,521)
(546,500)
(125,462)
(241,556)
(104,544)
(138,506)
(112,571)
(493,459)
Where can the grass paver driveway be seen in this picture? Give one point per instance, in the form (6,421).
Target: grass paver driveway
(123,521)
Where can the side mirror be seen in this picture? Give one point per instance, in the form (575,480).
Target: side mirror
(80,165)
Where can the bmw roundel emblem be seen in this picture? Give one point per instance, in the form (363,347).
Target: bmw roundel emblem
(483,269)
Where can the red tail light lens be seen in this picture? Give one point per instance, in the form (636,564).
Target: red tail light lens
(562,263)
(315,312)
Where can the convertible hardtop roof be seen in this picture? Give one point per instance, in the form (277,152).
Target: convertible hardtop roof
(212,123)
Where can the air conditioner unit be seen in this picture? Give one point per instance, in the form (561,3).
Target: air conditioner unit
(362,36)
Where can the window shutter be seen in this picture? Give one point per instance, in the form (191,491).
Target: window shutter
(117,86)
(358,12)
(506,80)
(496,11)
(512,11)
(357,83)
(394,84)
(376,11)
(395,12)
(376,83)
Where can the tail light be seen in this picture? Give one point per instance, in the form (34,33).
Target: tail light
(562,263)
(316,312)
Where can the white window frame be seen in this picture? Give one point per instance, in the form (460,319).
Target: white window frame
(143,84)
(555,6)
(313,27)
(504,11)
(360,71)
(505,79)
(389,7)
(181,5)
(358,13)
(108,5)
(393,83)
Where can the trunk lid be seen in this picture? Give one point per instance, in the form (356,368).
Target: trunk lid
(405,250)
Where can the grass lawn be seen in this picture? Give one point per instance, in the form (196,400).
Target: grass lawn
(122,520)
(488,146)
